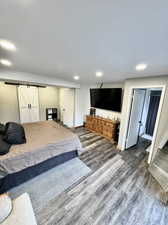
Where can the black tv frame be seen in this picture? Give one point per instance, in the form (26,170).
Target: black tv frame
(106,108)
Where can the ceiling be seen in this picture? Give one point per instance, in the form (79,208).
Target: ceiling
(63,38)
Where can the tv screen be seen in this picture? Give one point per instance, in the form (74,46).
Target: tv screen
(106,98)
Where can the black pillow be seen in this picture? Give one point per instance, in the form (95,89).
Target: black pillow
(14,133)
(2,128)
(4,146)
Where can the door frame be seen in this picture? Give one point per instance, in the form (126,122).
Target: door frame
(163,89)
(148,135)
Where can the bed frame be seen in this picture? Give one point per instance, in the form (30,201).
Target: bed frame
(15,179)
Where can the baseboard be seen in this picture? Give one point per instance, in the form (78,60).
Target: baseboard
(119,148)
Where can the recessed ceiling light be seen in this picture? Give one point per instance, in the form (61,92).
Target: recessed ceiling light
(76,77)
(141,66)
(99,74)
(5,62)
(7,45)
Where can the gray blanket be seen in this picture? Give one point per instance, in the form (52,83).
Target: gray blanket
(44,140)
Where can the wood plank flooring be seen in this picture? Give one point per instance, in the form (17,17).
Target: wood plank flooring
(159,169)
(119,191)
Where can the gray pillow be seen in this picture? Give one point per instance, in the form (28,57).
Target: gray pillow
(2,128)
(4,146)
(14,134)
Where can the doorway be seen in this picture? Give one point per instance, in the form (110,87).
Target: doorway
(152,111)
(143,115)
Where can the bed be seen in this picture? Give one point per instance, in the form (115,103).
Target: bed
(48,145)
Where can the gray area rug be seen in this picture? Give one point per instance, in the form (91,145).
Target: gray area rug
(50,184)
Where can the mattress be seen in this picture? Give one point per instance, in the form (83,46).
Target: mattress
(45,140)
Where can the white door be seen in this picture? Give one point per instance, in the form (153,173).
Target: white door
(28,104)
(23,104)
(135,117)
(66,98)
(34,104)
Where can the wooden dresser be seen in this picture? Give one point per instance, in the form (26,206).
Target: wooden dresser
(104,127)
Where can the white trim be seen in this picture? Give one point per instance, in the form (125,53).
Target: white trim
(146,136)
(151,153)
(138,99)
(148,148)
(164,139)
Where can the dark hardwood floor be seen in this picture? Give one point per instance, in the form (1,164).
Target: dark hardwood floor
(103,150)
(118,191)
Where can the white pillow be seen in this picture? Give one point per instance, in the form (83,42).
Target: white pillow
(5,207)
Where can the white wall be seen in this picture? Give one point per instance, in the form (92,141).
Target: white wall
(48,98)
(9,105)
(38,79)
(163,122)
(9,110)
(82,104)
(108,114)
(163,126)
(111,85)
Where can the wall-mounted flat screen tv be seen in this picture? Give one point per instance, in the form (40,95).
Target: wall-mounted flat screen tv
(106,98)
